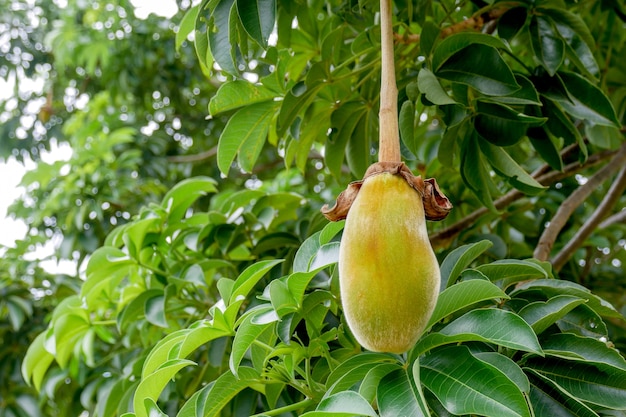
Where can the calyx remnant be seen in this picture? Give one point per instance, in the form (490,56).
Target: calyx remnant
(436,204)
(388,274)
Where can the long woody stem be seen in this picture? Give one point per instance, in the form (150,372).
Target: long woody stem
(389,145)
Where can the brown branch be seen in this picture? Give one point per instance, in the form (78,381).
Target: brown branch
(619,217)
(474,23)
(202,156)
(443,237)
(551,232)
(607,204)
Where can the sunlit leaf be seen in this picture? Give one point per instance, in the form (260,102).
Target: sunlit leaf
(467,385)
(541,315)
(462,295)
(244,135)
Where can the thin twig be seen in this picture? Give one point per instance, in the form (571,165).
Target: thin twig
(558,221)
(442,237)
(199,157)
(607,204)
(619,217)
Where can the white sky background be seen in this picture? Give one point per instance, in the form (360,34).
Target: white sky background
(11,171)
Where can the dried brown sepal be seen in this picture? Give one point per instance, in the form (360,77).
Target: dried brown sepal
(436,204)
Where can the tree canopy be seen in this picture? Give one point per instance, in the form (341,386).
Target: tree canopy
(203,148)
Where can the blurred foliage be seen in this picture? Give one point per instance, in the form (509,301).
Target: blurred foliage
(203,146)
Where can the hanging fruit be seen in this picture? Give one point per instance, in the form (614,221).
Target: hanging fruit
(389,276)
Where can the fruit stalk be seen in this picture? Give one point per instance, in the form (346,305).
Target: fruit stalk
(389,139)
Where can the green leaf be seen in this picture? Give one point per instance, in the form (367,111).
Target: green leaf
(511,22)
(307,251)
(373,375)
(490,325)
(238,93)
(604,387)
(203,52)
(217,395)
(474,172)
(180,344)
(36,362)
(358,150)
(155,310)
(547,46)
(345,403)
(281,298)
(548,399)
(526,95)
(506,272)
(244,135)
(508,367)
(296,100)
(368,373)
(331,230)
(344,121)
(569,19)
(455,43)
(573,347)
(257,18)
(553,287)
(506,166)
(398,396)
(246,281)
(542,141)
(221,35)
(578,51)
(178,200)
(587,101)
(459,259)
(541,315)
(606,137)
(406,121)
(368,359)
(560,125)
(326,255)
(467,385)
(246,334)
(462,295)
(481,67)
(69,330)
(187,25)
(584,321)
(501,125)
(153,384)
(429,85)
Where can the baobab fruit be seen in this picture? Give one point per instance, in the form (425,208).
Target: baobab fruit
(388,274)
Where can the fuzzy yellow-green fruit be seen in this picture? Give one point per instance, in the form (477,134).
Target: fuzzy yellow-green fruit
(388,273)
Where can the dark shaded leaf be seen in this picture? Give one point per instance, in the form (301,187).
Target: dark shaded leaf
(481,67)
(257,18)
(547,45)
(587,101)
(604,387)
(467,385)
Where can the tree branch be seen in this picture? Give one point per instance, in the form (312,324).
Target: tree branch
(607,204)
(181,159)
(551,232)
(442,237)
(474,23)
(619,217)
